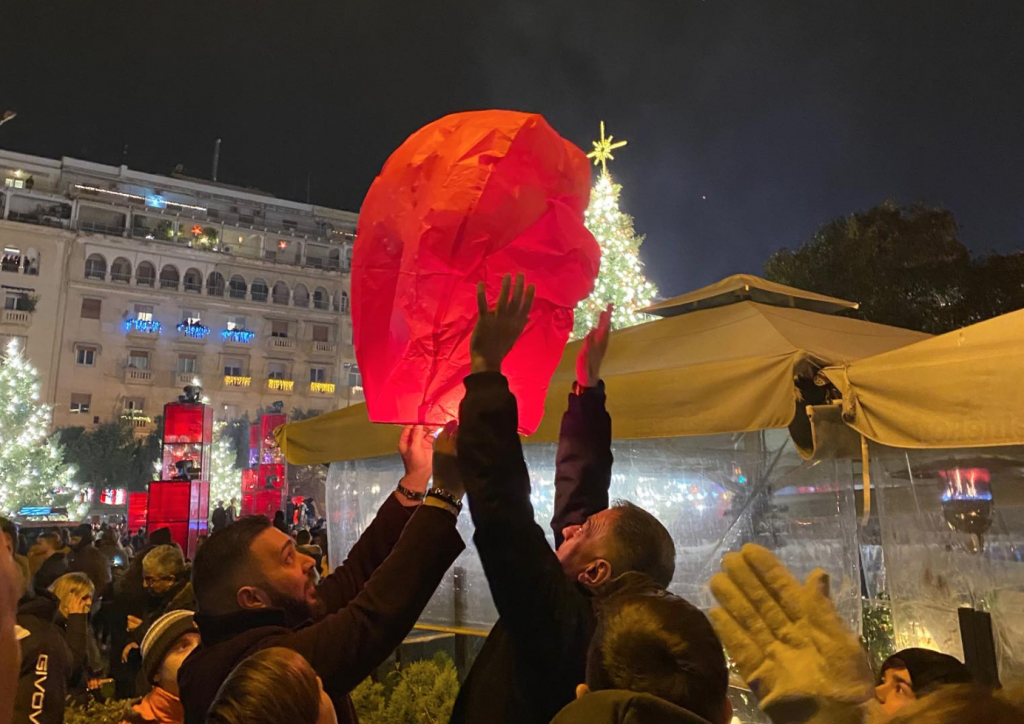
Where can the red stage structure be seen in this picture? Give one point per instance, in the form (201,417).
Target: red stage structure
(180,500)
(265,484)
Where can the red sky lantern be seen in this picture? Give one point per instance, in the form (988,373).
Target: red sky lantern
(197,230)
(468,198)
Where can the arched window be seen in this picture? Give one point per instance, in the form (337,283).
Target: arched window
(321,300)
(169,277)
(215,284)
(194,281)
(301,296)
(281,294)
(145,274)
(259,290)
(236,287)
(95,267)
(344,303)
(121,270)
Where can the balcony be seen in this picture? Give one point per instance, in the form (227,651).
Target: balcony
(280,343)
(184,378)
(280,385)
(237,336)
(136,419)
(17,316)
(148,327)
(121,277)
(237,381)
(137,376)
(321,388)
(324,347)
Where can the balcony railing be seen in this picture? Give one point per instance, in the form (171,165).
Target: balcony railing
(145,281)
(280,385)
(236,293)
(325,347)
(237,381)
(169,284)
(17,316)
(322,388)
(281,343)
(196,287)
(138,376)
(94,273)
(122,277)
(321,303)
(99,227)
(260,296)
(185,378)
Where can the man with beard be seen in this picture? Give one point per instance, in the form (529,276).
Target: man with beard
(255,590)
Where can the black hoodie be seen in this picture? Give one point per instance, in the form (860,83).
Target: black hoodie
(52,653)
(616,706)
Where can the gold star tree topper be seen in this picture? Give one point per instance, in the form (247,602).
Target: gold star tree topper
(603,148)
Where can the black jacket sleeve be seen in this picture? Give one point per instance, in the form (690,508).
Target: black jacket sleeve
(369,552)
(583,467)
(541,608)
(347,645)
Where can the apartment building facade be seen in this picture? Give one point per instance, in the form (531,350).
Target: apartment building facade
(124,286)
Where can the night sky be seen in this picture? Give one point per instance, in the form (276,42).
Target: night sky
(782,113)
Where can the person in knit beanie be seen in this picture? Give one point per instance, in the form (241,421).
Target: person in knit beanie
(912,673)
(170,639)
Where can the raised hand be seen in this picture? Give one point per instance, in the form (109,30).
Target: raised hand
(497,331)
(595,344)
(787,640)
(446,464)
(417,453)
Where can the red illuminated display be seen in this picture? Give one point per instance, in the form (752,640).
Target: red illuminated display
(180,499)
(265,485)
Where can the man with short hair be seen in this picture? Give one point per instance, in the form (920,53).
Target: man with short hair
(653,659)
(87,558)
(255,590)
(46,545)
(535,655)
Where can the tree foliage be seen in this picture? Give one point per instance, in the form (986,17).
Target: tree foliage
(110,456)
(621,280)
(34,470)
(422,692)
(906,266)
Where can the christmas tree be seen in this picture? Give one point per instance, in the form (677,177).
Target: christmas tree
(225,478)
(621,280)
(32,467)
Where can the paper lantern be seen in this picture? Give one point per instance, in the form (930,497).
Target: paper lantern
(468,198)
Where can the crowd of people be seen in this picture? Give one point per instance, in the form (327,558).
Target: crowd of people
(249,633)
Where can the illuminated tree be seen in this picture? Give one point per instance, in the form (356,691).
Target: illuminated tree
(33,471)
(621,280)
(225,478)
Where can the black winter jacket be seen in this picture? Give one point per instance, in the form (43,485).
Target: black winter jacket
(372,601)
(53,654)
(536,653)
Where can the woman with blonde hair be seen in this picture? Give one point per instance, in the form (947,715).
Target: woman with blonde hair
(272,686)
(75,592)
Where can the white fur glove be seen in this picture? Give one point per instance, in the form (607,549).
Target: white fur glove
(788,641)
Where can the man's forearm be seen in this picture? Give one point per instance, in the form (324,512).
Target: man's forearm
(583,466)
(347,646)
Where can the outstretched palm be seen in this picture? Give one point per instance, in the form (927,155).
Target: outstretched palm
(497,330)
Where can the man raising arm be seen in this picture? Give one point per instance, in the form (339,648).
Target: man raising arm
(255,590)
(545,601)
